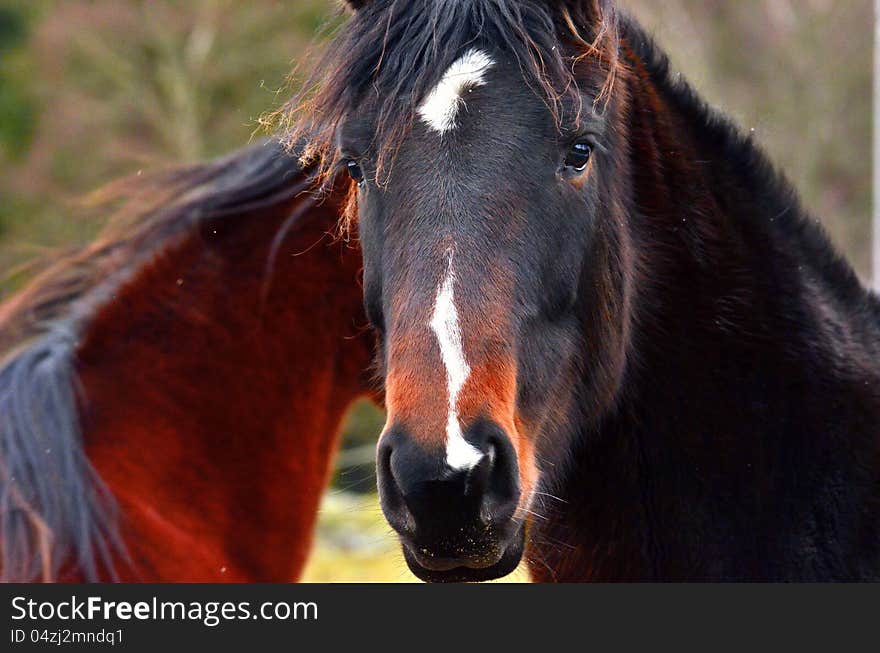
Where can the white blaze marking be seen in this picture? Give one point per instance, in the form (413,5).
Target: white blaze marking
(460,454)
(440,106)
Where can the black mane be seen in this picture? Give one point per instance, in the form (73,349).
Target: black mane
(737,155)
(52,504)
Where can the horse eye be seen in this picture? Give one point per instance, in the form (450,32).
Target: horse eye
(354,171)
(578,156)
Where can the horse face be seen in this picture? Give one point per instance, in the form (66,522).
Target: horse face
(474,250)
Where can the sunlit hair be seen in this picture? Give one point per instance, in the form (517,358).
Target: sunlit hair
(392,52)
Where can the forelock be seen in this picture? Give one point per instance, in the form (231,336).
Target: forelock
(392,53)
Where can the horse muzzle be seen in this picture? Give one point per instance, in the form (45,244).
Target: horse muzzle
(455,523)
(500,559)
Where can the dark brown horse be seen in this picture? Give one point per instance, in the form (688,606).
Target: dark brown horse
(170,395)
(607,328)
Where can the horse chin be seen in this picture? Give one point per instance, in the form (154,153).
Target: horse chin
(506,564)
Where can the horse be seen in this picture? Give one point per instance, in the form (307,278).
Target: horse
(170,394)
(610,338)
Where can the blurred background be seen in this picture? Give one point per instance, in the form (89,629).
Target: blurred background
(91,90)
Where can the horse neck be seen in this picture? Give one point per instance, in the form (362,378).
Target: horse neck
(746,399)
(213,390)
(735,284)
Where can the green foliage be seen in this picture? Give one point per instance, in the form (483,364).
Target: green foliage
(355,465)
(17,106)
(94,90)
(363,423)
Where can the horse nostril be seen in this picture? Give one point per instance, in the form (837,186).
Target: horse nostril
(477,479)
(390,492)
(502,487)
(494,480)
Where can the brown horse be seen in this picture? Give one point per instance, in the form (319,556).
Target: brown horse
(169,395)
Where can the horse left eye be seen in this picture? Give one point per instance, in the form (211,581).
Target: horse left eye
(578,156)
(354,171)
